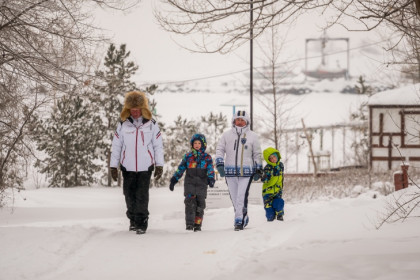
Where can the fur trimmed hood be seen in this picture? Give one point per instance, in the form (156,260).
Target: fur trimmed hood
(136,99)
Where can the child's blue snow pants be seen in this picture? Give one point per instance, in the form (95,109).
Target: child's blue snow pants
(273,205)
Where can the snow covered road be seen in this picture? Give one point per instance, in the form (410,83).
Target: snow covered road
(82,233)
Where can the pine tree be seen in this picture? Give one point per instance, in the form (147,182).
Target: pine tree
(152,103)
(213,126)
(176,143)
(362,88)
(177,139)
(180,135)
(113,82)
(69,138)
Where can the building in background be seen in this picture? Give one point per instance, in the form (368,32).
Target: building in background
(394,128)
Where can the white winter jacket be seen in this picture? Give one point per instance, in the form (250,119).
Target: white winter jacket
(137,145)
(242,150)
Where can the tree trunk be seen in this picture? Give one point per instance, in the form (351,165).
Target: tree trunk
(309,138)
(417,7)
(108,161)
(75,177)
(2,187)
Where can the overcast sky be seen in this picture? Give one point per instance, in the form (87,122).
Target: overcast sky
(161,59)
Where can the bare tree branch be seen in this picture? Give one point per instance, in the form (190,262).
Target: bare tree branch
(225,25)
(417,7)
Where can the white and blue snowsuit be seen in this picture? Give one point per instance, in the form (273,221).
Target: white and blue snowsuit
(239,152)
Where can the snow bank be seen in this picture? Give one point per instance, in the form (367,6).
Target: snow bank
(408,95)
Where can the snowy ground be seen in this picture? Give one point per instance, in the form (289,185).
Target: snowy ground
(316,108)
(81,233)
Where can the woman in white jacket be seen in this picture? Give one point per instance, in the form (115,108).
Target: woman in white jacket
(137,149)
(238,157)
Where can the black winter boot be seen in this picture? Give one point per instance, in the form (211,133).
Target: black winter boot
(280,218)
(197,227)
(190,227)
(142,226)
(140,231)
(239,227)
(133,226)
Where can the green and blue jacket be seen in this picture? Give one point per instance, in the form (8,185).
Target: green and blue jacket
(272,174)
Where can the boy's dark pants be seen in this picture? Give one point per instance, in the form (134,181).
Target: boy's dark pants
(136,192)
(195,192)
(194,208)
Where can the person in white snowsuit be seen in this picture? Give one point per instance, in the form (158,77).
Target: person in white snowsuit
(238,157)
(137,149)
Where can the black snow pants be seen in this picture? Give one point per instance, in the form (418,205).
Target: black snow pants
(136,192)
(195,192)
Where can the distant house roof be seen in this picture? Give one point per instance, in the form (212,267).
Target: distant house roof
(408,95)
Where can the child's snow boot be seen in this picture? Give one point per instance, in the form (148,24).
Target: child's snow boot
(280,218)
(189,227)
(197,227)
(197,223)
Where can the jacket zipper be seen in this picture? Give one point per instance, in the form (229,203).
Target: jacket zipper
(137,136)
(236,157)
(242,158)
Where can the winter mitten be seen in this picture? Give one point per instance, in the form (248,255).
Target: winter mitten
(221,170)
(114,173)
(257,174)
(211,182)
(173,182)
(158,172)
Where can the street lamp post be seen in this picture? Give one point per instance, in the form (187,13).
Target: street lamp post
(251,65)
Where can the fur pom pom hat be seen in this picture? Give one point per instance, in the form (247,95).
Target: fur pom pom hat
(241,115)
(136,99)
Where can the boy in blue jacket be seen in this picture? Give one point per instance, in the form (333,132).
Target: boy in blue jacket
(200,173)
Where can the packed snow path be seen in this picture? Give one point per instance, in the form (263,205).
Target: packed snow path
(82,233)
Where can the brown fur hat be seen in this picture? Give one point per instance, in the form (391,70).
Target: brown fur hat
(136,99)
